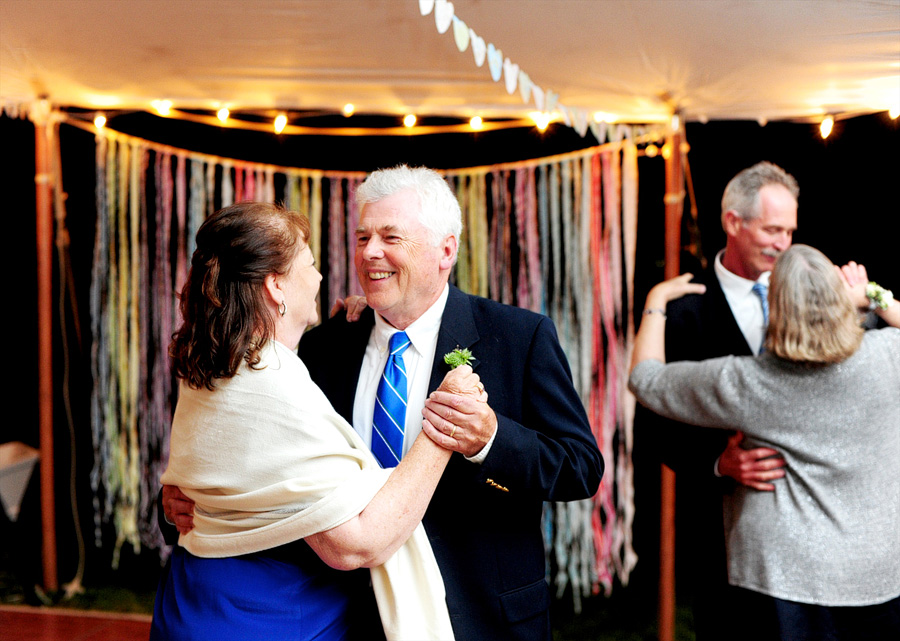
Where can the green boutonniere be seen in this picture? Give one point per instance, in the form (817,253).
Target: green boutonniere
(458,357)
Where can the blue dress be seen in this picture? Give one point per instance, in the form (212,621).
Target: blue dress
(287,593)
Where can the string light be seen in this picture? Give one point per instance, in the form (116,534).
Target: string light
(602,116)
(163,107)
(541,119)
(410,125)
(651,151)
(348,109)
(100,121)
(826,126)
(894,112)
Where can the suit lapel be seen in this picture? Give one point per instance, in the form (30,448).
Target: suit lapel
(729,331)
(342,392)
(458,329)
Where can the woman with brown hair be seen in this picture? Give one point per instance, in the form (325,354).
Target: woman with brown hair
(819,558)
(289,502)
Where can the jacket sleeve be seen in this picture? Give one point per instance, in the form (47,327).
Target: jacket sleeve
(686,449)
(169,532)
(544,443)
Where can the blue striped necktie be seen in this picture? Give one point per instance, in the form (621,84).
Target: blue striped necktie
(763,292)
(389,420)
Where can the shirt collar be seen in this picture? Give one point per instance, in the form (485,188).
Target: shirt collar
(732,282)
(421,332)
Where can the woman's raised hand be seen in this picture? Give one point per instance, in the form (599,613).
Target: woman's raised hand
(671,289)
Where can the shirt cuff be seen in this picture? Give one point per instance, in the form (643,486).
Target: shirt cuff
(716,468)
(479,458)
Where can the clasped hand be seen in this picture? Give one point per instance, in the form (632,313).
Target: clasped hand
(457,415)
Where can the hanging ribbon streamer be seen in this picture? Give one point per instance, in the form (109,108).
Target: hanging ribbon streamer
(315,212)
(353,286)
(227,187)
(532,248)
(625,556)
(102,499)
(543,199)
(337,254)
(197,205)
(462,275)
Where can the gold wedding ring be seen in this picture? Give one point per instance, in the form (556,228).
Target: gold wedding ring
(453,431)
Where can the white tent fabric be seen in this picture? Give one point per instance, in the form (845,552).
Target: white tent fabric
(635,59)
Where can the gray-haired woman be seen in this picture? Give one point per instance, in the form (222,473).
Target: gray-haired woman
(819,558)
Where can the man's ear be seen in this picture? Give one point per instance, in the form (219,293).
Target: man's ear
(448,252)
(732,223)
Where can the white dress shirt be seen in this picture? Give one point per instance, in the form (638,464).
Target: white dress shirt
(418,358)
(745,305)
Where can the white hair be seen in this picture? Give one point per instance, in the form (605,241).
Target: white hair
(439,209)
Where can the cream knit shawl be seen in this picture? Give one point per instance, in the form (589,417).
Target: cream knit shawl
(268,461)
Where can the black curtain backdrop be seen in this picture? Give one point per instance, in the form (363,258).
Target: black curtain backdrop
(847,210)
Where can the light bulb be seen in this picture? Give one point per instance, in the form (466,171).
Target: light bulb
(541,119)
(476,123)
(100,121)
(280,123)
(826,126)
(409,120)
(163,107)
(222,114)
(348,109)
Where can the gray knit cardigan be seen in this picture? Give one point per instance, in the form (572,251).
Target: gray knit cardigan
(830,532)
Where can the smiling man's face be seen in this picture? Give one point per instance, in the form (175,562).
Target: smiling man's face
(401,272)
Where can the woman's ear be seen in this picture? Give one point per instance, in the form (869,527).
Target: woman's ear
(273,289)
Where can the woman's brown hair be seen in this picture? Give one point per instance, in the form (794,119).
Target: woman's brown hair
(812,319)
(223,306)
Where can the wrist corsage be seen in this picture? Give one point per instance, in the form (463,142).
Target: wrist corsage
(458,357)
(879,296)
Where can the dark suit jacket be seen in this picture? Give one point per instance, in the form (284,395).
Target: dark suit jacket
(484,520)
(699,327)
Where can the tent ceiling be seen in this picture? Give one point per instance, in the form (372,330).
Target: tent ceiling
(637,59)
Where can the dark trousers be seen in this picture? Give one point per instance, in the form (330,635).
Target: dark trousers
(766,618)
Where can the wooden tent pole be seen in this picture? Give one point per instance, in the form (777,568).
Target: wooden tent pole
(43,181)
(674,202)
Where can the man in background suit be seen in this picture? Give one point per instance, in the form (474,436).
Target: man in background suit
(530,443)
(759,216)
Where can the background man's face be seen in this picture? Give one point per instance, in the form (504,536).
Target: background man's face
(758,242)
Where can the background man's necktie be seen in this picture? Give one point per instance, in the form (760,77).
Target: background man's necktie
(763,292)
(389,420)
